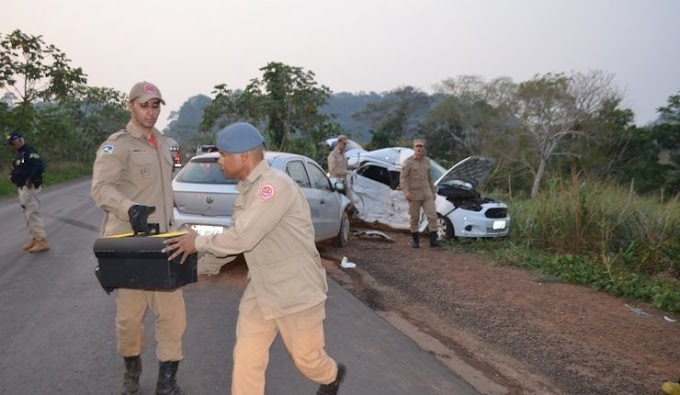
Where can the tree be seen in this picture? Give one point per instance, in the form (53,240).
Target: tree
(84,120)
(290,99)
(185,123)
(223,110)
(344,105)
(667,136)
(396,119)
(97,112)
(32,70)
(553,107)
(469,118)
(670,113)
(286,99)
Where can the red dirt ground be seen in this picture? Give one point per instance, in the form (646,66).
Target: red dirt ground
(507,330)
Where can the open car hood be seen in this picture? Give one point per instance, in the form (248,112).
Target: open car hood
(472,170)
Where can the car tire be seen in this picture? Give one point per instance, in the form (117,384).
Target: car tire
(444,228)
(343,234)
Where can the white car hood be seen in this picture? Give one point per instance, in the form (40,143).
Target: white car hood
(472,170)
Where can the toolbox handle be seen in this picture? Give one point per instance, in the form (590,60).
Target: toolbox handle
(154,229)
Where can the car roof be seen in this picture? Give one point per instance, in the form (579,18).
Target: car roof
(270,156)
(392,156)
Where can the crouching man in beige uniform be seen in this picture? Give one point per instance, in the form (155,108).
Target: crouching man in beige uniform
(286,291)
(131,181)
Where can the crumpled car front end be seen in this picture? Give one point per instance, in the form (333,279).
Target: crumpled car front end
(462,211)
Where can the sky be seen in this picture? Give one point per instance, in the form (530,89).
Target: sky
(186,47)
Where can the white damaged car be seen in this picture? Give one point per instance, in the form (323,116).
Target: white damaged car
(461,210)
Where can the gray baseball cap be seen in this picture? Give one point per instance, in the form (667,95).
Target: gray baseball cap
(239,137)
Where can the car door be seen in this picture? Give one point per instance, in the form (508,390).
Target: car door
(330,214)
(297,170)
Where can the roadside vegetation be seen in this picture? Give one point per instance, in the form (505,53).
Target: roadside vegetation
(593,197)
(56,173)
(594,234)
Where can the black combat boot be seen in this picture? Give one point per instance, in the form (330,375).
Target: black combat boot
(332,388)
(167,382)
(433,240)
(133,369)
(416,240)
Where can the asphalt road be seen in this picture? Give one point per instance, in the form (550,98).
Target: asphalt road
(57,324)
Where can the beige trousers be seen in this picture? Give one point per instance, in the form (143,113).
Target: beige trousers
(171,321)
(28,198)
(302,334)
(430,211)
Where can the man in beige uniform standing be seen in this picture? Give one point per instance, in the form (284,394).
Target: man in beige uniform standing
(337,162)
(286,291)
(418,187)
(131,181)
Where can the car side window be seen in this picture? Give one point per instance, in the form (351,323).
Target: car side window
(380,174)
(320,179)
(296,171)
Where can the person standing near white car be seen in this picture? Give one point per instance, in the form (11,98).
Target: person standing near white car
(417,184)
(337,163)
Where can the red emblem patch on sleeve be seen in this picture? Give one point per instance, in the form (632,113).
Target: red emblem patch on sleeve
(266,192)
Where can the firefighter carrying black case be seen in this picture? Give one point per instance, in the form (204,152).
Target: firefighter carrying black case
(137,262)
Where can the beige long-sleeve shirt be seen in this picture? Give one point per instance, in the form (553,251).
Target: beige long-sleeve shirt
(129,171)
(416,178)
(337,164)
(272,226)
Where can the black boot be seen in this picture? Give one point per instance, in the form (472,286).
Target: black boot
(332,388)
(133,369)
(416,240)
(167,382)
(433,240)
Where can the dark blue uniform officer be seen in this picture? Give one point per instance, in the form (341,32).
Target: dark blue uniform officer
(27,174)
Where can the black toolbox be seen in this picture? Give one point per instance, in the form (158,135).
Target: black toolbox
(138,262)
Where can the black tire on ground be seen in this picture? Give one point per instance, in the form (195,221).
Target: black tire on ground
(444,228)
(343,233)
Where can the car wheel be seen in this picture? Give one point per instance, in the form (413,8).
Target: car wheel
(343,234)
(444,228)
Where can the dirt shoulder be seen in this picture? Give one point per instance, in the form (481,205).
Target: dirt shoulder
(505,330)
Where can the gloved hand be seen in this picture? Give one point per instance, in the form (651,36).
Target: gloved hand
(139,218)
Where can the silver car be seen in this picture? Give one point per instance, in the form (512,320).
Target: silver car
(204,197)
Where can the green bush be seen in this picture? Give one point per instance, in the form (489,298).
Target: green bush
(55,173)
(597,235)
(601,222)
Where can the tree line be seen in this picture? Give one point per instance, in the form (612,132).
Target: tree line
(550,126)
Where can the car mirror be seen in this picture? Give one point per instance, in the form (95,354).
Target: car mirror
(338,185)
